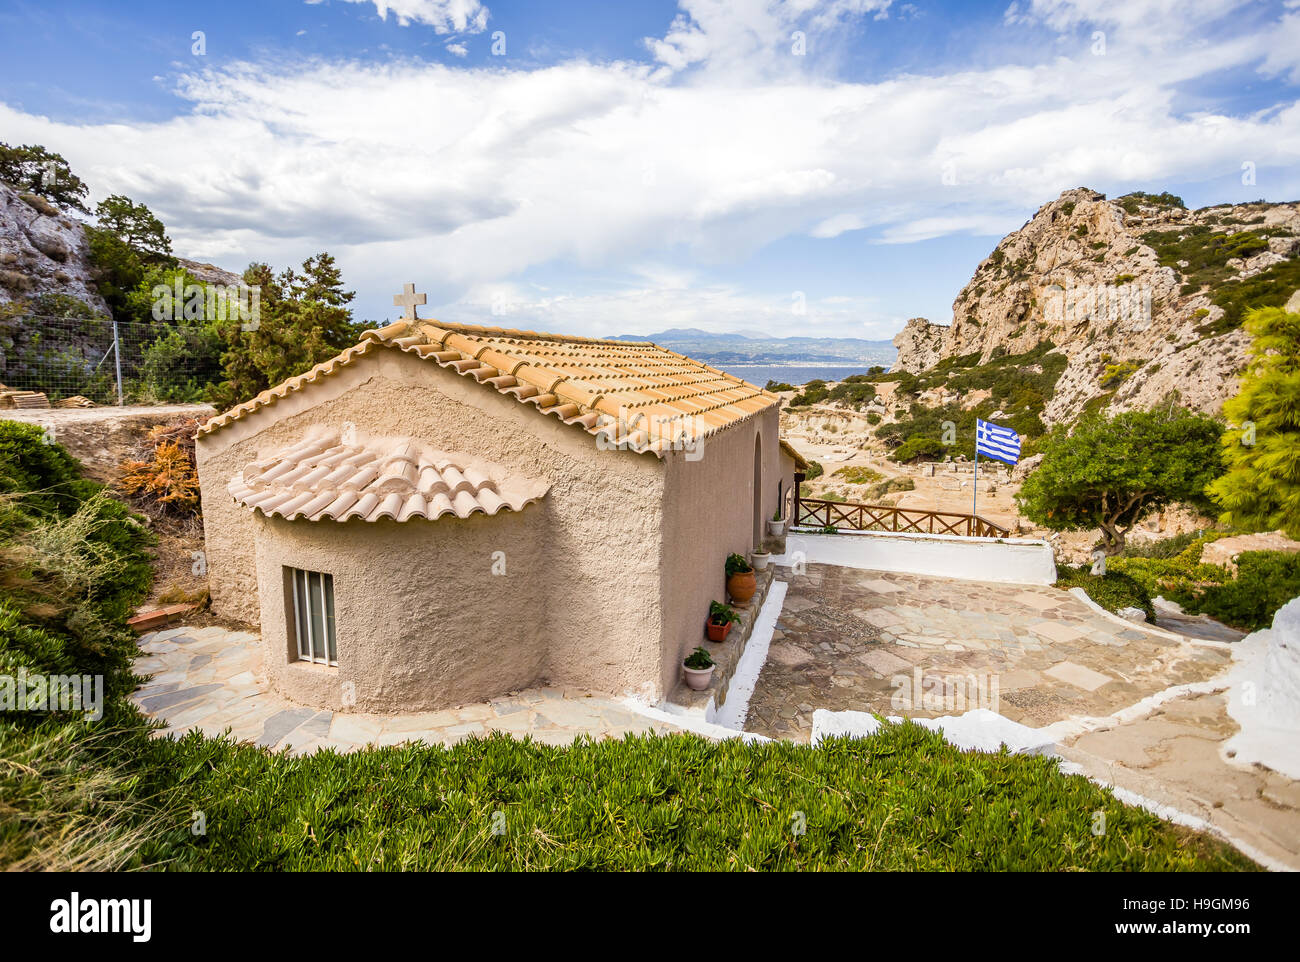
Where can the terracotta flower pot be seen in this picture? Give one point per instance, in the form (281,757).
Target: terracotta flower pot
(697,679)
(741,586)
(716,631)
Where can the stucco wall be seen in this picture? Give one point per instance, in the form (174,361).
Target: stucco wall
(708,515)
(1015,560)
(422,620)
(590,588)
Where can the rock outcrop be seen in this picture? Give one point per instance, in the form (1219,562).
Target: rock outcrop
(1082,275)
(42,251)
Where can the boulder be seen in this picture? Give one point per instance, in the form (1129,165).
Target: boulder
(1225,550)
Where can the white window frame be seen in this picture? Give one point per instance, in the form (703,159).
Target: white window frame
(321,650)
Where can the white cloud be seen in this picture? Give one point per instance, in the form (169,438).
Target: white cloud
(458,177)
(459,49)
(445,16)
(748,37)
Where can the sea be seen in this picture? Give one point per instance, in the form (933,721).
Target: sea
(796,374)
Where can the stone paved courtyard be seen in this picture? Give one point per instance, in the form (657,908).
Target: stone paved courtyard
(211,679)
(912,645)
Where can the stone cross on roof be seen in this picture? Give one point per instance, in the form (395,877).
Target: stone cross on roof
(408,299)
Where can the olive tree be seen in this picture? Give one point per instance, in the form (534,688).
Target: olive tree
(1110,473)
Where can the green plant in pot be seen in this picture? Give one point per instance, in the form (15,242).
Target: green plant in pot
(721,618)
(741,583)
(776,527)
(698,667)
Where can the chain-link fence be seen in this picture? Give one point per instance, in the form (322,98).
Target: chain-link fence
(105,361)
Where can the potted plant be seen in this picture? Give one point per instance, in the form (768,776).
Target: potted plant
(698,667)
(741,583)
(776,527)
(721,618)
(759,559)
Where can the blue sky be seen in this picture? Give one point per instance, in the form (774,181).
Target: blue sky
(625,167)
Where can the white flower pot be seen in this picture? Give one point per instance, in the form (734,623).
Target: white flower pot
(759,560)
(697,679)
(776,528)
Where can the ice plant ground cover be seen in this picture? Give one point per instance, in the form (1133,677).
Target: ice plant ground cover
(903,799)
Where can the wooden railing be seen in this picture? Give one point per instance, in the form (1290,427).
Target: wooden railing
(811,512)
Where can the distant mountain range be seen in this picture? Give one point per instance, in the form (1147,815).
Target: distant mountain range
(735,348)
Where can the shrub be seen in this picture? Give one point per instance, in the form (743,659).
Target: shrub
(814,471)
(1113,590)
(1115,374)
(180,367)
(890,486)
(918,448)
(1265,581)
(167,481)
(858,474)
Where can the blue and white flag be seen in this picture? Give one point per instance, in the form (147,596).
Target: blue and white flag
(997,442)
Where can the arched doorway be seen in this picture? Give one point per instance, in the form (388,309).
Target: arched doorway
(758,490)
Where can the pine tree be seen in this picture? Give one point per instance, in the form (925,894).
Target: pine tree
(1261,490)
(303,321)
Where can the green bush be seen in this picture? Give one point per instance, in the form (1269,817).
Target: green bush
(858,474)
(814,470)
(1176,577)
(919,448)
(1113,590)
(1266,580)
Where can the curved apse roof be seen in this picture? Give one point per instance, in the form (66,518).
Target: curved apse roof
(328,477)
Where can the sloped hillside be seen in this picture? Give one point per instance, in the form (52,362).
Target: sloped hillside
(1141,296)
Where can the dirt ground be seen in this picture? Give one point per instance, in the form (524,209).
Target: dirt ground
(101,438)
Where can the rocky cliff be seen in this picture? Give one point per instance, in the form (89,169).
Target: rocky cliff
(45,251)
(42,251)
(1141,295)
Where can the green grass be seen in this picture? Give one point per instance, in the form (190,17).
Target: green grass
(904,799)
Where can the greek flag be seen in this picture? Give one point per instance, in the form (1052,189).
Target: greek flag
(997,442)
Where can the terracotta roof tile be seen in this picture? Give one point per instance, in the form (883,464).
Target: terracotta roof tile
(323,478)
(629,392)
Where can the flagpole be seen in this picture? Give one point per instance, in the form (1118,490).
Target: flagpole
(975,489)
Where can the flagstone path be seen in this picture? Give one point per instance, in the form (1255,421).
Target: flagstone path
(902,644)
(1174,757)
(211,679)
